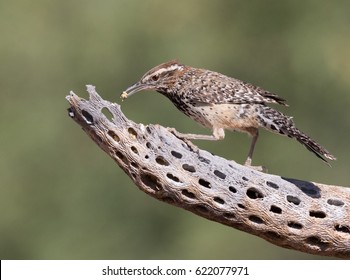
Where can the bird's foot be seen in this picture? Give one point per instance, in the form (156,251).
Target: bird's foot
(182,136)
(259,168)
(248,163)
(175,132)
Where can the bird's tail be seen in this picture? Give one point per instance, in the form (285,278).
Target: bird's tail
(279,123)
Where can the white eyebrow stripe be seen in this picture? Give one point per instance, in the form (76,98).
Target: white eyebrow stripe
(170,68)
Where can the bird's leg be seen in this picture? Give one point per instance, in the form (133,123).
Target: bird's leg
(190,136)
(218,134)
(248,161)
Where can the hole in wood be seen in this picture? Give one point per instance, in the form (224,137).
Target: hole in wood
(121,156)
(204,183)
(148,145)
(275,209)
(241,206)
(132,132)
(229,215)
(219,200)
(188,194)
(203,159)
(293,199)
(162,161)
(342,228)
(220,174)
(146,156)
(88,118)
(176,154)
(188,168)
(108,114)
(317,214)
(133,148)
(255,219)
(172,177)
(245,179)
(316,241)
(185,146)
(71,112)
(295,225)
(151,181)
(272,185)
(232,189)
(118,154)
(335,202)
(114,136)
(134,164)
(254,193)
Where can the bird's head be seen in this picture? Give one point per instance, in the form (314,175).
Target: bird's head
(159,78)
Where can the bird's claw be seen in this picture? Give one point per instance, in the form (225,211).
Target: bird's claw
(259,168)
(184,139)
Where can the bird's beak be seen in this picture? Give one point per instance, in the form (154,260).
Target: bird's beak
(135,88)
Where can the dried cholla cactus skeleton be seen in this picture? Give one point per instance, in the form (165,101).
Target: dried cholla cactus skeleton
(295,214)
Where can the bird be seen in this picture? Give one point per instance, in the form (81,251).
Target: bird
(221,103)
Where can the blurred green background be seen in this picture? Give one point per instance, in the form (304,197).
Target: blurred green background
(61,197)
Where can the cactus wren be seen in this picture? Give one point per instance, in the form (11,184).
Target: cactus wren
(220,102)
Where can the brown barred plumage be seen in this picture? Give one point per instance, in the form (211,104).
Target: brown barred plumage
(219,102)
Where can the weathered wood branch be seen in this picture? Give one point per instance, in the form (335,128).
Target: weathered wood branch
(295,214)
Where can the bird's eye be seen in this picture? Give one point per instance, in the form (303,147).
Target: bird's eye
(155,78)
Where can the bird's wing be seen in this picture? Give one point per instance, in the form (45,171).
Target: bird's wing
(221,89)
(245,92)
